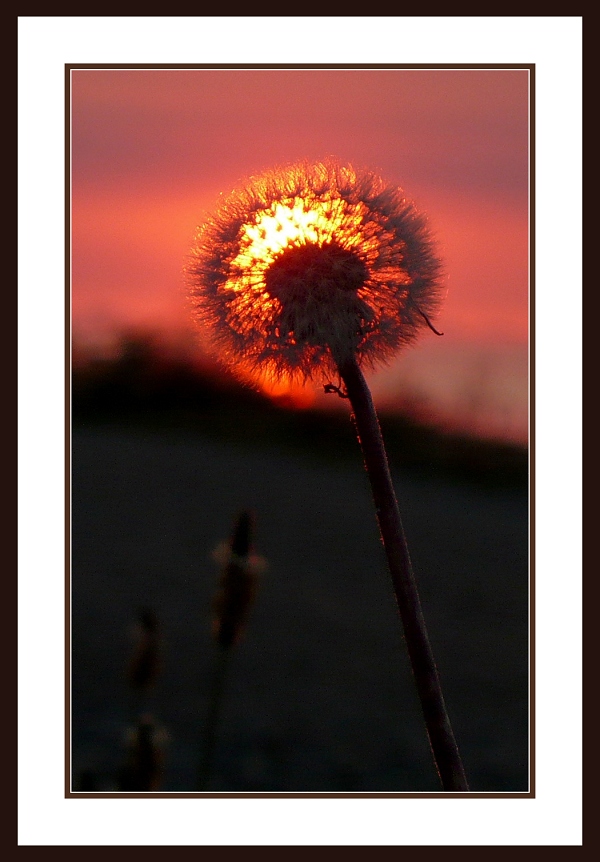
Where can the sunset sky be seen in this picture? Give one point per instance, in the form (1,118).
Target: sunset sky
(153,149)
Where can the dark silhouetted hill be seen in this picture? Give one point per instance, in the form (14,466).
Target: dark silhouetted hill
(146,384)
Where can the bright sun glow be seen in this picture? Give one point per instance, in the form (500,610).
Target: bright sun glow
(295,222)
(309,265)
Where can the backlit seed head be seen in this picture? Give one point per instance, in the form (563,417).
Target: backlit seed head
(238,583)
(310,264)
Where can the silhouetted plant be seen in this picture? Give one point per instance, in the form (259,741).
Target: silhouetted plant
(145,738)
(316,271)
(145,662)
(233,600)
(144,766)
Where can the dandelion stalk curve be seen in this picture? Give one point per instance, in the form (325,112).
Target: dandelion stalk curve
(441,737)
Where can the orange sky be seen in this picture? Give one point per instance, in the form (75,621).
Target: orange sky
(152,150)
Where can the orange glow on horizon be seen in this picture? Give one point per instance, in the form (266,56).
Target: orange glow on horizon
(282,390)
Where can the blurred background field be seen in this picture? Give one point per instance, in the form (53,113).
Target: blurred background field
(319,695)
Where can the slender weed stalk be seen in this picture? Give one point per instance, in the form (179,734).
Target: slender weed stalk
(232,603)
(315,271)
(144,766)
(145,663)
(145,740)
(213,714)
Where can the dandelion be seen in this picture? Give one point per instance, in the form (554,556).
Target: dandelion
(308,267)
(317,271)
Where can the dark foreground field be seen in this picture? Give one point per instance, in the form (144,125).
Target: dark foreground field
(319,695)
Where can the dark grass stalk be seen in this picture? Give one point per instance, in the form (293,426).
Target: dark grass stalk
(443,744)
(143,769)
(231,606)
(145,663)
(144,765)
(213,714)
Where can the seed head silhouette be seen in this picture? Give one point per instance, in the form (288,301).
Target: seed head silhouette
(308,265)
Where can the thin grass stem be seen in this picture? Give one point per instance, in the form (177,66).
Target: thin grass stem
(213,714)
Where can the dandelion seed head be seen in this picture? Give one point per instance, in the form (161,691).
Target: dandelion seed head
(307,265)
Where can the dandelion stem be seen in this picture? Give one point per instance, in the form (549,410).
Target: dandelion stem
(443,744)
